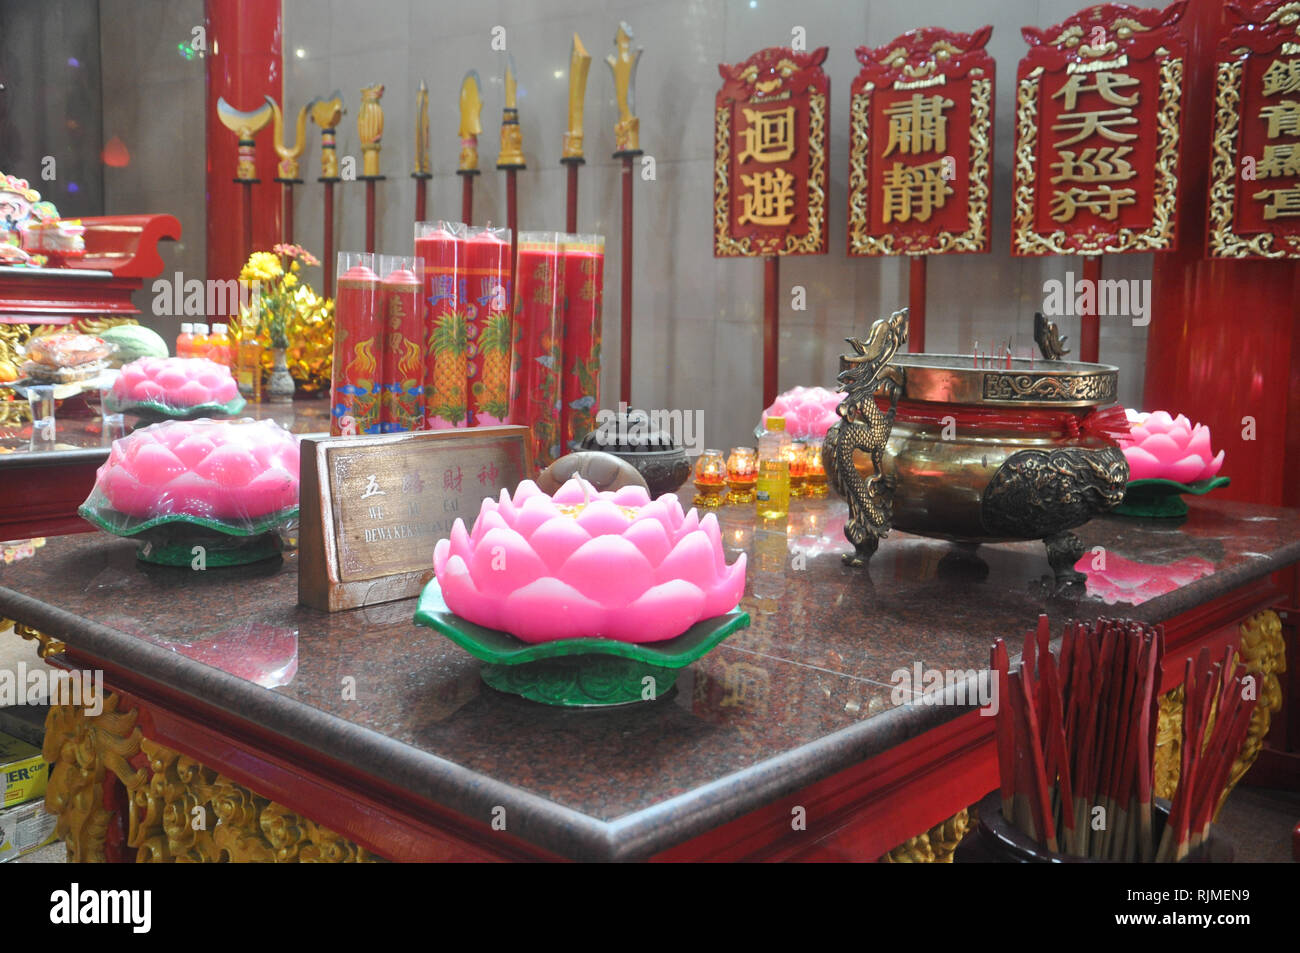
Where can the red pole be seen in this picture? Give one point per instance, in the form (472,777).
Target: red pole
(1090,324)
(245,62)
(571,199)
(288,213)
(771,330)
(467,198)
(421,196)
(327,259)
(370,216)
(512,213)
(625,342)
(916,305)
(247,199)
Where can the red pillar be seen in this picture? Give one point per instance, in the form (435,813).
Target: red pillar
(1220,343)
(244,64)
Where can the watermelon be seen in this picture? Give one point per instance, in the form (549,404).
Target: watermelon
(133,341)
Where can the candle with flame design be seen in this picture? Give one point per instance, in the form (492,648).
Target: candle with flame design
(535,390)
(355,404)
(584,278)
(403,381)
(442,247)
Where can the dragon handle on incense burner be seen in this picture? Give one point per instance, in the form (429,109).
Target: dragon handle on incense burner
(864,426)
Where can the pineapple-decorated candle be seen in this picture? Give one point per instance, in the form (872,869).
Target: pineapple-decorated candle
(357,375)
(442,247)
(403,361)
(584,276)
(535,390)
(487,309)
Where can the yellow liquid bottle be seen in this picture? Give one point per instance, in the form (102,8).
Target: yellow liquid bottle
(772,491)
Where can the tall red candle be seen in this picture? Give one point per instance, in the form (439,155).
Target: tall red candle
(442,247)
(487,306)
(403,350)
(535,372)
(584,282)
(356,378)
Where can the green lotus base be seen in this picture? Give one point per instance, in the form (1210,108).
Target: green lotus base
(157,411)
(174,545)
(576,673)
(1163,498)
(169,540)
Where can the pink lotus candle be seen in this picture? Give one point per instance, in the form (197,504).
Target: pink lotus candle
(219,469)
(585,564)
(808,411)
(1160,447)
(177,382)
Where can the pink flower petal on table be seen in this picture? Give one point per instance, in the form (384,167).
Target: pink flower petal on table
(267,493)
(458,544)
(609,570)
(525,490)
(229,466)
(575,490)
(1186,470)
(195,448)
(662,612)
(650,537)
(556,540)
(441,549)
(631,496)
(156,465)
(1212,468)
(691,558)
(1159,421)
(535,511)
(503,561)
(603,517)
(1141,464)
(1199,442)
(726,593)
(548,609)
(1163,447)
(487,520)
(464,599)
(709,527)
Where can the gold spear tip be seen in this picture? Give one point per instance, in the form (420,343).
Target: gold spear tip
(471,106)
(578,49)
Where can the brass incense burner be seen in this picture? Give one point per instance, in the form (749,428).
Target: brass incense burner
(973,450)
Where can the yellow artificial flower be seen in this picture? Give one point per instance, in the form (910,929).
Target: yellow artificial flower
(295,266)
(261,266)
(290,280)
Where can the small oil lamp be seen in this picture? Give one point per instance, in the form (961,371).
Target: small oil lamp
(710,479)
(742,474)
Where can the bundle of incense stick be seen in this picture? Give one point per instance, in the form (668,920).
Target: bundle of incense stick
(1076,740)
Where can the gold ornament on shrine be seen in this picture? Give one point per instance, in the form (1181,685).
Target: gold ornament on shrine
(1099,103)
(471,126)
(245,125)
(422,164)
(622,63)
(1254,194)
(579,64)
(915,186)
(512,138)
(370,128)
(289,155)
(327,114)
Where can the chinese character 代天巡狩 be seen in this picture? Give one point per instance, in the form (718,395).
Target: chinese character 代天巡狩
(1103,201)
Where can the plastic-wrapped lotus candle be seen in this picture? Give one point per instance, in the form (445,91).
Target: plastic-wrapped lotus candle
(487,304)
(442,247)
(710,479)
(808,411)
(355,404)
(585,564)
(1170,448)
(176,382)
(535,374)
(233,471)
(584,277)
(403,388)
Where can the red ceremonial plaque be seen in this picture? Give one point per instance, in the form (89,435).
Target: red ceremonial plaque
(1254,199)
(1099,103)
(921,145)
(770,173)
